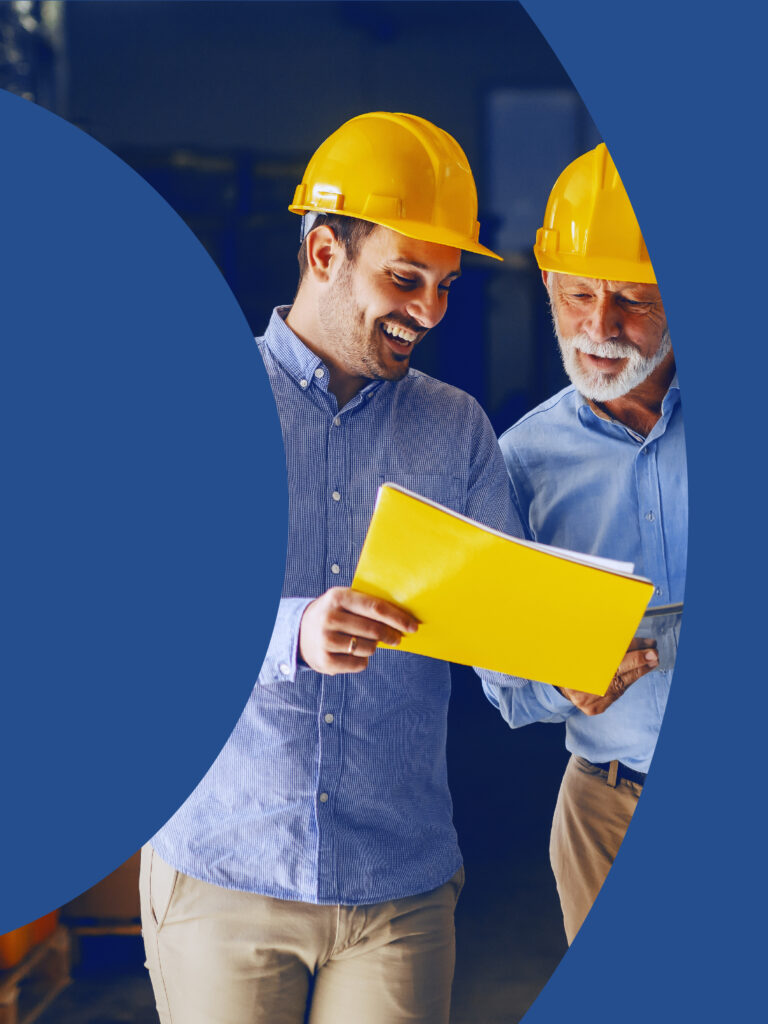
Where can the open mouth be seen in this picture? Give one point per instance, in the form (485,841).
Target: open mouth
(601,362)
(399,338)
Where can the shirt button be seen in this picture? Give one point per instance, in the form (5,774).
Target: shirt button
(303,383)
(319,372)
(646,451)
(335,569)
(658,591)
(336,496)
(650,516)
(337,422)
(285,669)
(323,798)
(329,718)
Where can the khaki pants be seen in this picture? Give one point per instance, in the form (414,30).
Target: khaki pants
(217,956)
(590,820)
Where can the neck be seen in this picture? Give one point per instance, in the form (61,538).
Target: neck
(640,408)
(304,320)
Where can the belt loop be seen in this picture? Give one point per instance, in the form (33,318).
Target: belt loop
(613,774)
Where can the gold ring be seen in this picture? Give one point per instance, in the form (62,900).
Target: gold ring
(352,645)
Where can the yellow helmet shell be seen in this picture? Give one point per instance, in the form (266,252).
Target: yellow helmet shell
(590,228)
(399,171)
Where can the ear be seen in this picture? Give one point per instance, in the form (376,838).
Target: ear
(323,252)
(545,278)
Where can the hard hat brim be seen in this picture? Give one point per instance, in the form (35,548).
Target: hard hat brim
(599,267)
(414,229)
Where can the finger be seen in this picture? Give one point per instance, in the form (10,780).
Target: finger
(338,663)
(378,609)
(355,625)
(634,665)
(641,661)
(631,676)
(342,643)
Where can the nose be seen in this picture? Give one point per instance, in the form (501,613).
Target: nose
(427,307)
(605,321)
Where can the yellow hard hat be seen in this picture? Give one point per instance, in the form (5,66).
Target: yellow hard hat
(399,171)
(590,228)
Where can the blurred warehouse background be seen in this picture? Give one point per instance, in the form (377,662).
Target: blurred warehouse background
(218,106)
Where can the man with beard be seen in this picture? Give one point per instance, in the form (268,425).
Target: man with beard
(313,873)
(600,468)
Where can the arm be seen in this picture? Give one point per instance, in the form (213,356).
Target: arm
(522,702)
(280,662)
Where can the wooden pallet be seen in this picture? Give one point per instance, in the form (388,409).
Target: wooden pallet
(27,989)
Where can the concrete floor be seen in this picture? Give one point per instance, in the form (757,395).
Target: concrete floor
(508,926)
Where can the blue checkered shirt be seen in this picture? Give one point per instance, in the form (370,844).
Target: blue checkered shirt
(333,789)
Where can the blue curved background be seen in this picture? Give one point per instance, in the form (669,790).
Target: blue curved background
(676,90)
(144,511)
(676,932)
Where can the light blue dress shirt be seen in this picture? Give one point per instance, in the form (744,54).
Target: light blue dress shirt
(594,486)
(333,789)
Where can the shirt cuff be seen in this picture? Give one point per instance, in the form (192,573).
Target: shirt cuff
(282,658)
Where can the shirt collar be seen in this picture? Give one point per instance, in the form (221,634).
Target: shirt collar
(300,362)
(292,354)
(672,398)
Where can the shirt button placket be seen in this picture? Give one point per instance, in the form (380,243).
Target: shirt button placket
(336,543)
(652,539)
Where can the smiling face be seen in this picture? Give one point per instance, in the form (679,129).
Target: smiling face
(379,306)
(612,334)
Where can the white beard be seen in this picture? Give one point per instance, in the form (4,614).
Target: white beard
(598,385)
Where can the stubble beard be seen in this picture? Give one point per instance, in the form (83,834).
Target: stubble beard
(343,322)
(598,385)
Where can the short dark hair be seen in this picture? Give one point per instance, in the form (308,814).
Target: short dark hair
(350,231)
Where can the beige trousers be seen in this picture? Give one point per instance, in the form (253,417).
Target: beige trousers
(590,820)
(218,956)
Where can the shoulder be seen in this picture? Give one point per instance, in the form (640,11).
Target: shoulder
(423,388)
(444,405)
(536,425)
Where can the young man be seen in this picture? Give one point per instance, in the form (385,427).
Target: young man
(315,869)
(600,468)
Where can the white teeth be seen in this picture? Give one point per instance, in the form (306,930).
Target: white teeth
(402,333)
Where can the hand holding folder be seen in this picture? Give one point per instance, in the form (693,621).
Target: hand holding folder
(498,602)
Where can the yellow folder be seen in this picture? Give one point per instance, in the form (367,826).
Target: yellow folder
(496,602)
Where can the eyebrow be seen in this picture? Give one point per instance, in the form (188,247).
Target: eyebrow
(424,266)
